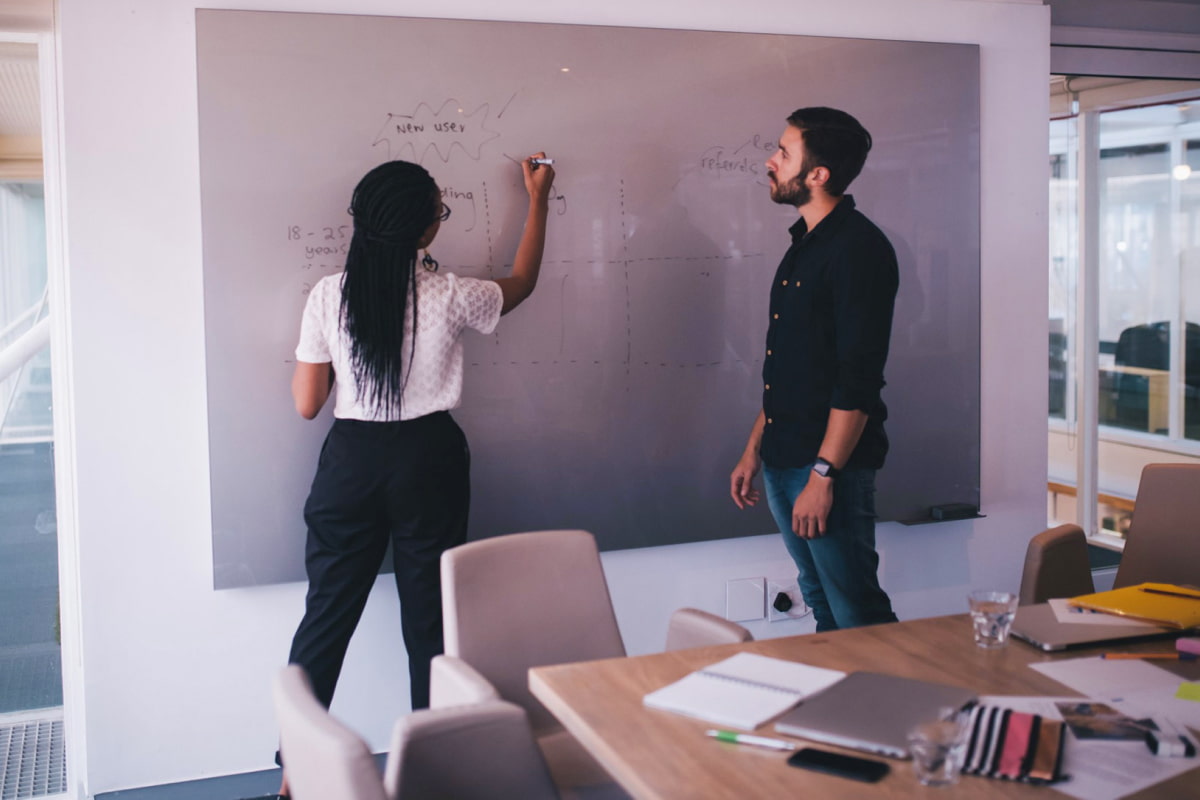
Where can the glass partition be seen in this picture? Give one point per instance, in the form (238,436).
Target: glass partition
(30,658)
(1063,260)
(1147,271)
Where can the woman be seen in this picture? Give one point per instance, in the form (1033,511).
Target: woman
(394,466)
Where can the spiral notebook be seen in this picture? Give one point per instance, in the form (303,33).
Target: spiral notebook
(743,691)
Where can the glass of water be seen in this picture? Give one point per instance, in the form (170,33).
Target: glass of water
(992,615)
(938,747)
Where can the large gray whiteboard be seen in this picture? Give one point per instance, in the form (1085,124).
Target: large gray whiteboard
(618,398)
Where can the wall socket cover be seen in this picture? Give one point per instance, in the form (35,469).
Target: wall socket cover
(745,599)
(789,587)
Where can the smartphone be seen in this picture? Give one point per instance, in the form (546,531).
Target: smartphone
(859,769)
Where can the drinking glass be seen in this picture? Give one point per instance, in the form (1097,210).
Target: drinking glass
(938,747)
(992,615)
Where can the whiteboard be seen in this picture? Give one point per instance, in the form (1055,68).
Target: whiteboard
(620,395)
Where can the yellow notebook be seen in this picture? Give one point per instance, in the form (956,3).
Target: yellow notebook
(1162,603)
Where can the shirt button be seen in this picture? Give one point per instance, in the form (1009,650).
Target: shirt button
(785,283)
(768,387)
(769,420)
(775,316)
(768,352)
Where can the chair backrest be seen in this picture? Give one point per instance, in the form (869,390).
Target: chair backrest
(1145,345)
(323,758)
(1149,345)
(1163,542)
(524,600)
(691,627)
(471,752)
(454,682)
(1056,565)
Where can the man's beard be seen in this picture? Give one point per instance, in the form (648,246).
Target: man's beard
(792,193)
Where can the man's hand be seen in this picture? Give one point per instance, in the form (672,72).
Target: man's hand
(812,507)
(741,481)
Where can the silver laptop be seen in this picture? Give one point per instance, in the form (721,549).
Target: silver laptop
(871,711)
(1039,626)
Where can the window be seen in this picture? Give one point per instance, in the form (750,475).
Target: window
(30,659)
(1145,264)
(1063,261)
(24,395)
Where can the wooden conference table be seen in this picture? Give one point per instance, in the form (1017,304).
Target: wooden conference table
(657,754)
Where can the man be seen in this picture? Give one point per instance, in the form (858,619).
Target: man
(819,437)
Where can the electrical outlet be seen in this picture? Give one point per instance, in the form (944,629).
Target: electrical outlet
(745,599)
(788,587)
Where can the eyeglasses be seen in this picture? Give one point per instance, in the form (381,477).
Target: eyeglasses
(445,215)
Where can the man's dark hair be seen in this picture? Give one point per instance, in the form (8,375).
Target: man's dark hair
(835,140)
(392,206)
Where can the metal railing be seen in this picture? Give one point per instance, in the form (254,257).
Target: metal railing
(16,355)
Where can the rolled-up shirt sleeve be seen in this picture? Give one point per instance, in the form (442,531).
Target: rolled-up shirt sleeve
(864,289)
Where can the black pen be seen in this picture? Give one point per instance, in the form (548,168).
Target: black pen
(1188,595)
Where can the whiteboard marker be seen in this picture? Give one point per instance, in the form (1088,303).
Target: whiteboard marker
(547,161)
(743,738)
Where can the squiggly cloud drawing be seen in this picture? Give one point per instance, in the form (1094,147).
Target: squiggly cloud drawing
(440,131)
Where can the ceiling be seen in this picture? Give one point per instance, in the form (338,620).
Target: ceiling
(1160,16)
(26,16)
(19,115)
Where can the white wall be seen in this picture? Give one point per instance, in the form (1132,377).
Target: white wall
(174,676)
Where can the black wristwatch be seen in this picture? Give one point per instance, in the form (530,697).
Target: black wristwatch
(825,469)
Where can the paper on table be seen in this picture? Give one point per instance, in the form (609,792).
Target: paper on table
(743,691)
(1099,770)
(1067,613)
(1136,688)
(1109,770)
(1103,678)
(1156,703)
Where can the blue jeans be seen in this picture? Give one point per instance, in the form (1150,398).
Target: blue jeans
(838,570)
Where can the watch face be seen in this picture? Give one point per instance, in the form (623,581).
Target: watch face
(821,468)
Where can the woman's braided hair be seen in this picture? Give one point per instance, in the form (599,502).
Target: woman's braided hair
(393,205)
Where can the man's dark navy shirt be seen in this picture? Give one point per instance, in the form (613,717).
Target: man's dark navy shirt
(830,322)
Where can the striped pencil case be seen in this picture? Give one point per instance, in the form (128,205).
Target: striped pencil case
(1012,745)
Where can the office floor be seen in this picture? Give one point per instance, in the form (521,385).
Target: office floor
(228,787)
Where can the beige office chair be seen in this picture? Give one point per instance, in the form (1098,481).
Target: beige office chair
(519,601)
(528,599)
(472,752)
(469,752)
(523,600)
(691,627)
(1163,543)
(1056,565)
(324,758)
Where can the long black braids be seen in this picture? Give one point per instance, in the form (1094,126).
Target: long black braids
(393,205)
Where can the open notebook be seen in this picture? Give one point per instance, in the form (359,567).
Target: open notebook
(743,691)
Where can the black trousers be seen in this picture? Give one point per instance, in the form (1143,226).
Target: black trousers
(403,482)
